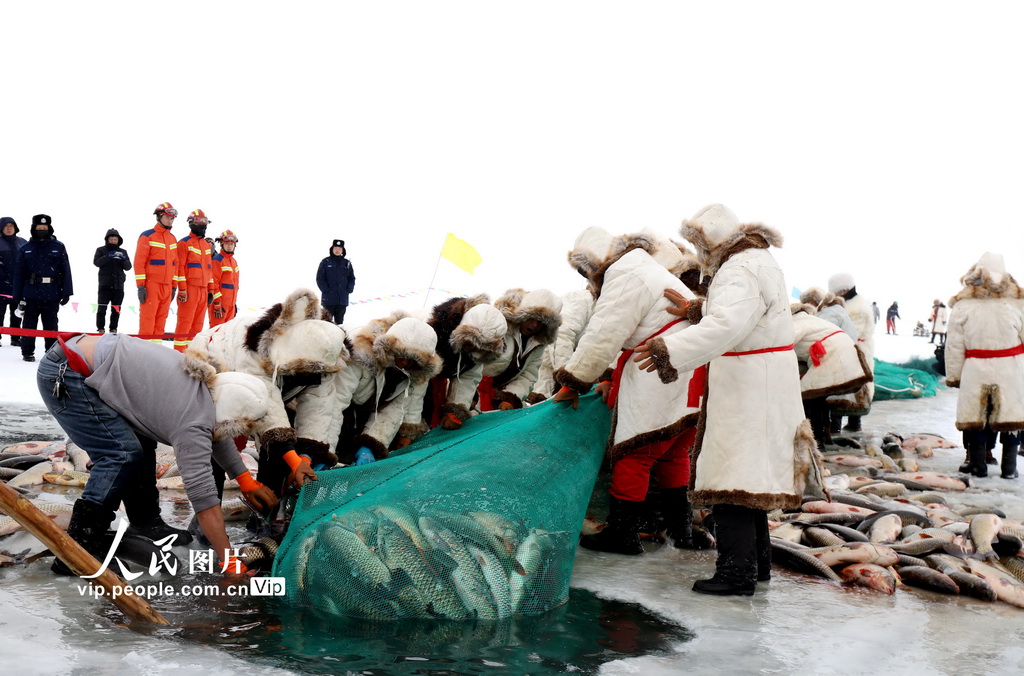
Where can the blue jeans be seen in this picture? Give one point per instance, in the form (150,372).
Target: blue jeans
(111,443)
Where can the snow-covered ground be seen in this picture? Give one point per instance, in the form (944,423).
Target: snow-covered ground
(793,625)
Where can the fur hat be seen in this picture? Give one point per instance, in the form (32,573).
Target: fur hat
(482,330)
(841,283)
(661,249)
(591,249)
(412,339)
(299,342)
(716,222)
(240,401)
(990,266)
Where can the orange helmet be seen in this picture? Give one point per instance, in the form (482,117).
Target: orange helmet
(198,217)
(228,236)
(165,208)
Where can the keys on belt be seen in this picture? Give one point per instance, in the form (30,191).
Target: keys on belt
(60,390)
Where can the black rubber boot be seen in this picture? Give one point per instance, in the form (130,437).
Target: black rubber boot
(966,467)
(1011,442)
(88,527)
(762,540)
(979,466)
(157,529)
(853,424)
(622,534)
(835,425)
(652,518)
(142,501)
(678,518)
(736,567)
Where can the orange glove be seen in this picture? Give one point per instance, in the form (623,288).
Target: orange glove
(301,469)
(261,498)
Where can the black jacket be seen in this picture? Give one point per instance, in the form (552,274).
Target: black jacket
(113,262)
(336,280)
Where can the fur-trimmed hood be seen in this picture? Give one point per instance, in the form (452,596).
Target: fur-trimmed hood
(468,325)
(819,299)
(240,402)
(293,337)
(988,279)
(716,235)
(803,307)
(517,306)
(377,345)
(663,250)
(590,250)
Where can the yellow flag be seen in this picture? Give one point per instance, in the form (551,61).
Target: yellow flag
(461,253)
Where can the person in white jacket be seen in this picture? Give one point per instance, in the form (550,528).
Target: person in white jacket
(754,447)
(985,359)
(533,319)
(939,319)
(858,404)
(470,333)
(384,381)
(577,308)
(297,355)
(653,423)
(830,363)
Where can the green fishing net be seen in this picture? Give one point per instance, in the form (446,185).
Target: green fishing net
(478,523)
(899,382)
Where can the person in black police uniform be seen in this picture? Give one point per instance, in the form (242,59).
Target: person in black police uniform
(336,279)
(113,262)
(42,282)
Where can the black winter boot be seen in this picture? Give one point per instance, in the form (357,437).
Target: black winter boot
(736,567)
(621,535)
(678,518)
(157,529)
(88,527)
(1011,442)
(979,466)
(763,542)
(966,467)
(853,424)
(142,501)
(652,518)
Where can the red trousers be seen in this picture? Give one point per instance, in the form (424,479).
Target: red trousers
(153,313)
(668,461)
(191,315)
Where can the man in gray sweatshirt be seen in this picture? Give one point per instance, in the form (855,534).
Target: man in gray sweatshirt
(115,396)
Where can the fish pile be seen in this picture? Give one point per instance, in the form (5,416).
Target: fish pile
(392,562)
(885,527)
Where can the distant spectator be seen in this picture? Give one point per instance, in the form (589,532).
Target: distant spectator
(891,315)
(10,245)
(113,262)
(42,282)
(336,280)
(939,318)
(875,312)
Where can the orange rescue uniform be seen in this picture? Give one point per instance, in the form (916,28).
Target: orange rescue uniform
(225,283)
(156,268)
(195,278)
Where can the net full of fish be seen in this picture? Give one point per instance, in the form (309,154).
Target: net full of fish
(479,523)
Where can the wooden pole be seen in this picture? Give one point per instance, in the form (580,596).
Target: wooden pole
(77,559)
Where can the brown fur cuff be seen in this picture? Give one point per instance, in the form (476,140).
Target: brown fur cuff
(566,379)
(659,353)
(380,451)
(695,312)
(503,396)
(952,383)
(455,410)
(535,398)
(413,430)
(765,501)
(277,435)
(317,451)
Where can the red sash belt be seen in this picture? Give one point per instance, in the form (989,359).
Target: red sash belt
(75,361)
(993,354)
(485,402)
(613,393)
(818,349)
(761,351)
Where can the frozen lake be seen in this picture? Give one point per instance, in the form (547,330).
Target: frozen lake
(794,624)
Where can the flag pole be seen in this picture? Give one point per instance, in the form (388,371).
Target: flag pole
(432,278)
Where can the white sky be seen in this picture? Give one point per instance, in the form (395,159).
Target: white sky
(880,138)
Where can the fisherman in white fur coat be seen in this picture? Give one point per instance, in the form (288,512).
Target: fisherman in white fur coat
(577,308)
(754,446)
(858,404)
(297,355)
(830,363)
(985,359)
(533,319)
(384,382)
(653,424)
